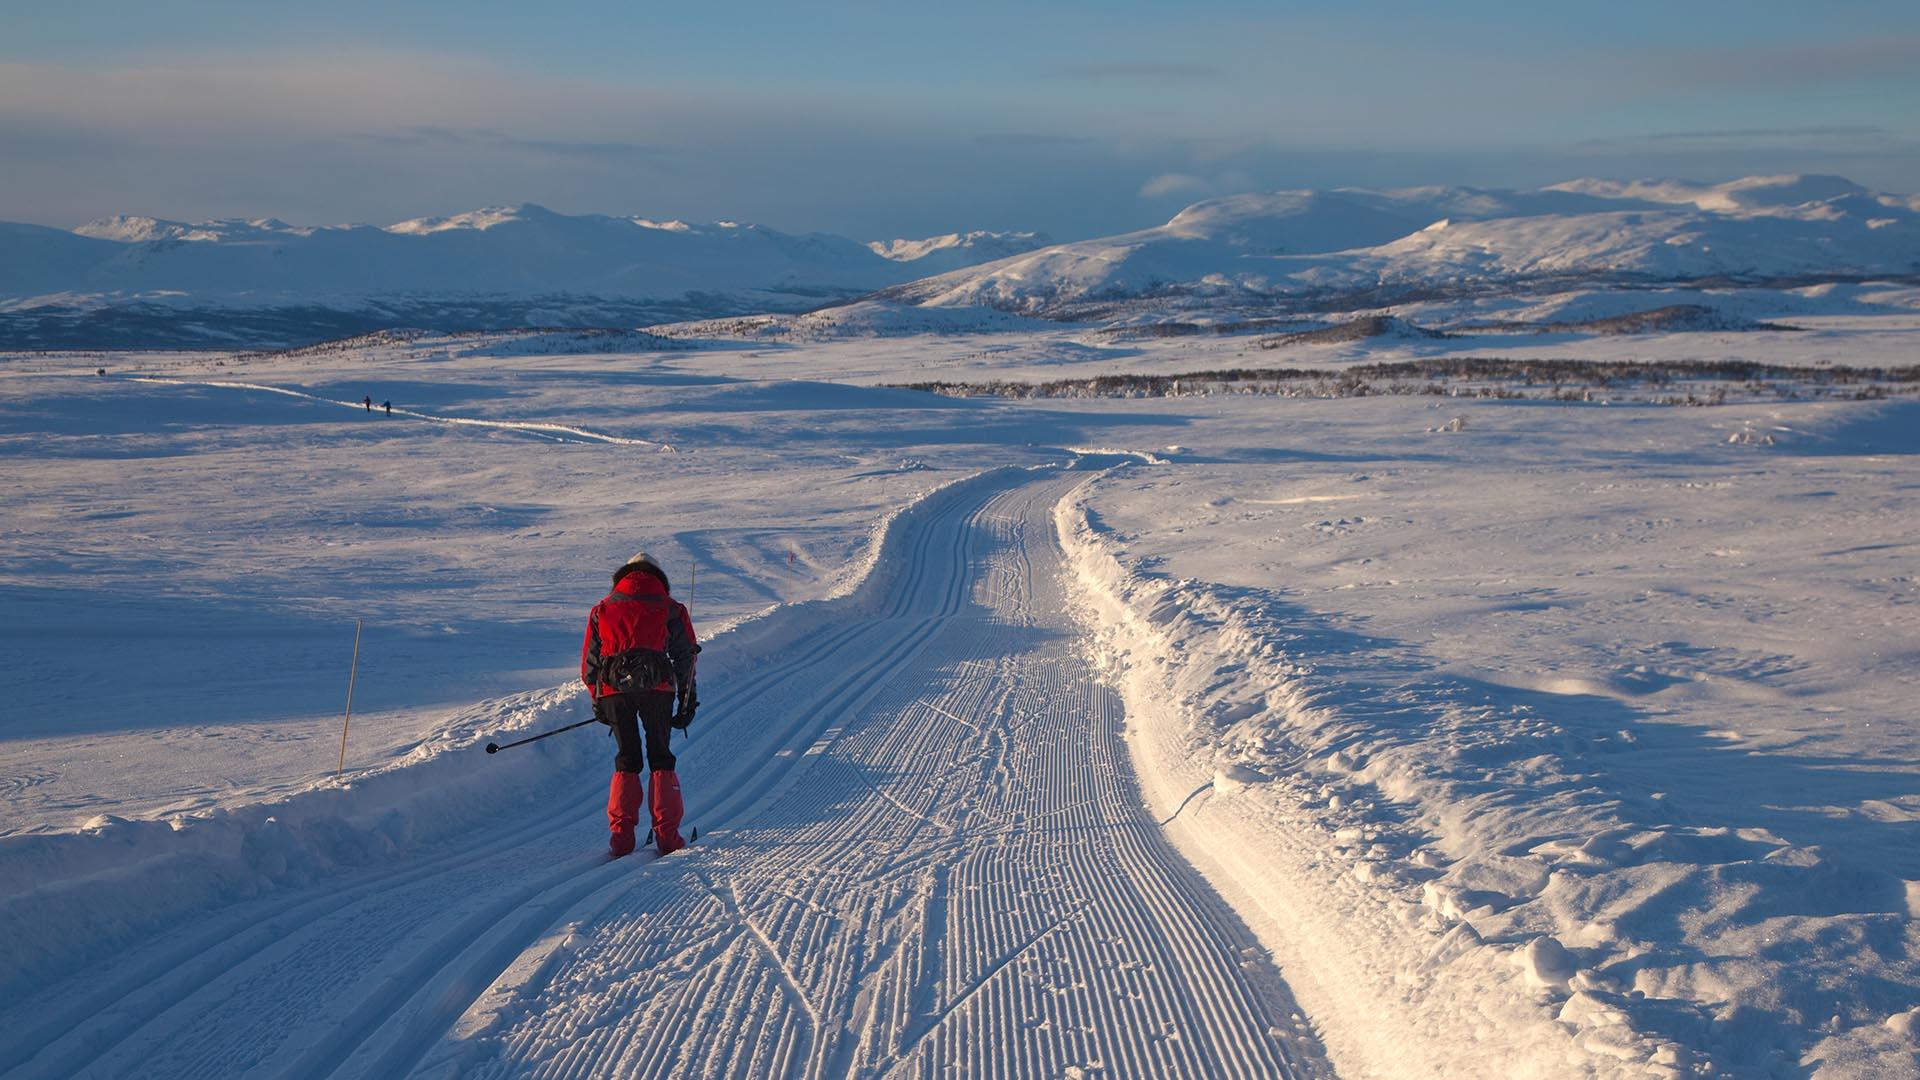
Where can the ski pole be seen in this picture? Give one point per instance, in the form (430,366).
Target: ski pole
(494,748)
(352,674)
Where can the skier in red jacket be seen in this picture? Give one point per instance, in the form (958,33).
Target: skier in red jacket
(638,655)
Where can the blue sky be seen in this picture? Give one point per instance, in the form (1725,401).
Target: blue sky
(881,120)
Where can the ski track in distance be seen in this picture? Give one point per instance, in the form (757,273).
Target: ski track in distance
(532,427)
(922,850)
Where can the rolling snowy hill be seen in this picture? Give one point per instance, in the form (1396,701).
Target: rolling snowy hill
(133,281)
(1320,246)
(141,280)
(939,254)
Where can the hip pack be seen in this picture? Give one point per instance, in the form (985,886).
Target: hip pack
(636,669)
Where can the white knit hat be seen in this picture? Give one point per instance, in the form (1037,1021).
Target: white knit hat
(640,561)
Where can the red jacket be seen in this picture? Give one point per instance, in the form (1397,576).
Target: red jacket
(638,614)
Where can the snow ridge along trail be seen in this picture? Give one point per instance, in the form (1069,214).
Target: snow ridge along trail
(922,850)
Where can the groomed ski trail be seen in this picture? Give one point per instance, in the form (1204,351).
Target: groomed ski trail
(922,852)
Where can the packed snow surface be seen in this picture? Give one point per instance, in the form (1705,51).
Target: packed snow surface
(1189,735)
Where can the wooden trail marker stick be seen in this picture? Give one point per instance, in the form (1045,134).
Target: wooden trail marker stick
(352,674)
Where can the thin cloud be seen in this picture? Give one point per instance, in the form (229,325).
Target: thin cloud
(1142,70)
(1819,131)
(1173,184)
(597,149)
(1803,64)
(1026,140)
(600,150)
(418,136)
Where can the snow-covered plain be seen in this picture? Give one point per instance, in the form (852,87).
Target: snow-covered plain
(1492,737)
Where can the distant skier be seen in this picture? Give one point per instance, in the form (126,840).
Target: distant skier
(387,405)
(368,402)
(638,654)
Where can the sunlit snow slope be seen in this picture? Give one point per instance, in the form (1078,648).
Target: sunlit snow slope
(1347,242)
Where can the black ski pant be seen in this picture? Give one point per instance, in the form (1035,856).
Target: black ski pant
(649,712)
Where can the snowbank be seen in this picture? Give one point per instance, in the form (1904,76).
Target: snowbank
(74,897)
(1456,888)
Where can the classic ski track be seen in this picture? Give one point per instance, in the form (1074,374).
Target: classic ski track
(161,991)
(865,922)
(137,992)
(418,1024)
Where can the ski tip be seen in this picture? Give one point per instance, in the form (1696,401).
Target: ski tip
(694,836)
(493,748)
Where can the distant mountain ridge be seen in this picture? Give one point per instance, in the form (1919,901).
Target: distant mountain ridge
(938,254)
(129,280)
(1301,245)
(518,251)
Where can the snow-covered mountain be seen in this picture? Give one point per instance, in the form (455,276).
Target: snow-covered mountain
(508,251)
(133,229)
(1296,244)
(939,254)
(143,281)
(495,266)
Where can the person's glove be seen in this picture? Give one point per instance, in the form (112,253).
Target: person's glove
(689,701)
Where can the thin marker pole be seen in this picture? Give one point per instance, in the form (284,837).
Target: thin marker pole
(693,578)
(352,674)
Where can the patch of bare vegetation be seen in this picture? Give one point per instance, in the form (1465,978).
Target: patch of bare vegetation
(1710,382)
(1361,329)
(1674,318)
